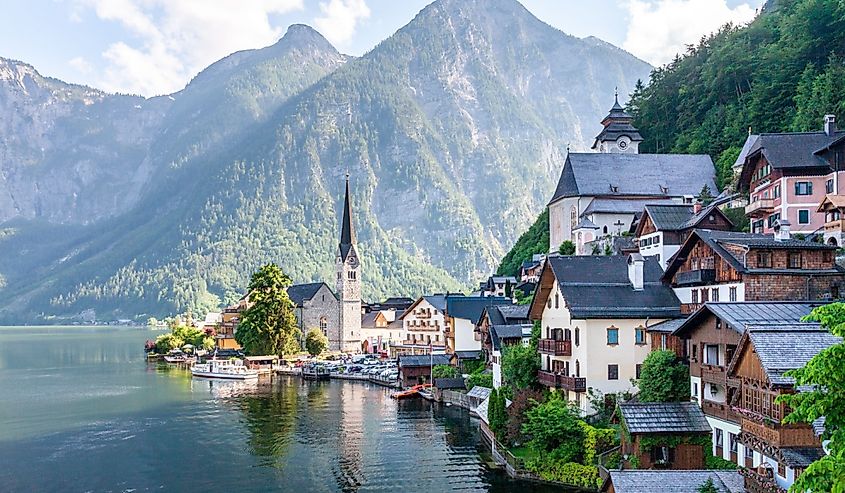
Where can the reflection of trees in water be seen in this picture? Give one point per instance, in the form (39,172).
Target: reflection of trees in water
(271,421)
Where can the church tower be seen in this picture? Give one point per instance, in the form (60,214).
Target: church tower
(348,335)
(618,135)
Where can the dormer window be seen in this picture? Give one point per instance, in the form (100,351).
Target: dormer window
(664,190)
(614,188)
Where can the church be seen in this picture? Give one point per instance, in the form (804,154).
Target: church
(600,193)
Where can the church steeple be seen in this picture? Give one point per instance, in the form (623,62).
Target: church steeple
(618,134)
(347,231)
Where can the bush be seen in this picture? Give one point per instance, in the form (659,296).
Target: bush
(555,425)
(480,379)
(523,400)
(553,468)
(567,248)
(444,371)
(713,462)
(497,414)
(316,342)
(520,365)
(664,378)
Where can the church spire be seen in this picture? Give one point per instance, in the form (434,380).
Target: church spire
(347,232)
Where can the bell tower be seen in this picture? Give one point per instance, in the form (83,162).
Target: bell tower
(618,134)
(347,337)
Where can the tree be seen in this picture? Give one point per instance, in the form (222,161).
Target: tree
(268,325)
(708,487)
(663,378)
(444,371)
(520,365)
(555,425)
(316,342)
(497,414)
(705,195)
(523,400)
(567,248)
(824,376)
(508,289)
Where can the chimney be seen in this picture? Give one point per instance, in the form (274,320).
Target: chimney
(635,270)
(830,124)
(782,230)
(696,208)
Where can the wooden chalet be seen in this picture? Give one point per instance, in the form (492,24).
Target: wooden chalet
(780,451)
(731,266)
(663,228)
(416,369)
(663,435)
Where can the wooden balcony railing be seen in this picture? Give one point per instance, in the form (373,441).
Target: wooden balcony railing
(575,384)
(555,347)
(548,379)
(760,206)
(755,482)
(799,435)
(693,277)
(717,375)
(720,410)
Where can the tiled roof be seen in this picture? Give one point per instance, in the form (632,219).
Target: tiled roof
(467,354)
(654,481)
(788,347)
(499,332)
(737,315)
(417,360)
(794,150)
(621,205)
(669,217)
(667,326)
(437,301)
(479,392)
(664,417)
(449,383)
(299,293)
(599,287)
(655,175)
(800,457)
(470,307)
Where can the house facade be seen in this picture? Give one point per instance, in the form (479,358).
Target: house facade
(730,266)
(380,330)
(317,307)
(462,316)
(424,326)
(663,228)
(787,175)
(594,312)
(500,326)
(663,435)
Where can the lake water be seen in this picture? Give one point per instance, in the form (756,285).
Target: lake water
(80,410)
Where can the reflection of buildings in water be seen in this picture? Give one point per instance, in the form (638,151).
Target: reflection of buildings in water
(351,431)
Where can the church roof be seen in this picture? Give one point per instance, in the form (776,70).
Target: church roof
(300,293)
(631,175)
(347,231)
(616,124)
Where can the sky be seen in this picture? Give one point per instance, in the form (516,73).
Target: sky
(154,47)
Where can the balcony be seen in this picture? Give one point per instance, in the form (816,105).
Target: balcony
(548,379)
(721,410)
(575,384)
(798,435)
(717,375)
(755,482)
(760,207)
(555,347)
(694,277)
(836,226)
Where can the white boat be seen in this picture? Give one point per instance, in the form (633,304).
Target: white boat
(221,368)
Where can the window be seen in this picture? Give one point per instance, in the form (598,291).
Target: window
(639,336)
(705,295)
(662,455)
(732,443)
(577,368)
(612,336)
(732,293)
(803,216)
(695,390)
(719,439)
(827,256)
(718,323)
(776,192)
(774,218)
(757,226)
(557,300)
(549,303)
(324,325)
(803,188)
(694,296)
(711,355)
(764,259)
(351,275)
(694,352)
(828,186)
(714,294)
(663,339)
(577,336)
(794,260)
(639,370)
(781,470)
(613,372)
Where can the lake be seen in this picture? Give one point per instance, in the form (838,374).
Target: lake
(82,411)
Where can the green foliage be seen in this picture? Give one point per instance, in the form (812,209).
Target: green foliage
(444,371)
(523,299)
(480,378)
(166,342)
(554,468)
(497,414)
(520,365)
(660,440)
(708,487)
(180,335)
(717,463)
(534,240)
(776,74)
(522,401)
(268,325)
(567,248)
(664,378)
(316,342)
(825,375)
(738,218)
(472,366)
(555,424)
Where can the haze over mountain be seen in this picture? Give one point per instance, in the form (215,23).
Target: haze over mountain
(453,131)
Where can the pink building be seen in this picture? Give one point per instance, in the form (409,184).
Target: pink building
(787,176)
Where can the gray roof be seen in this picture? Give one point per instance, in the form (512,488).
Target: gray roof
(499,332)
(669,217)
(800,457)
(620,205)
(471,307)
(655,481)
(598,287)
(299,293)
(507,314)
(750,142)
(667,326)
(793,150)
(416,360)
(449,383)
(479,392)
(664,417)
(788,347)
(439,300)
(737,315)
(467,354)
(652,175)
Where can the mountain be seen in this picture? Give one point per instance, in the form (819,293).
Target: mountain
(452,131)
(782,72)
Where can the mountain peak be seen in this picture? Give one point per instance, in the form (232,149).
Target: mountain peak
(305,35)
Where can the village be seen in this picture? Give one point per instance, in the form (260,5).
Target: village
(652,340)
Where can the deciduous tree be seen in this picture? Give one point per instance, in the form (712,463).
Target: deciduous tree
(663,378)
(268,325)
(316,342)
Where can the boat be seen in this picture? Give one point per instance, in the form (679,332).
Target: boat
(426,394)
(223,368)
(411,392)
(315,372)
(177,356)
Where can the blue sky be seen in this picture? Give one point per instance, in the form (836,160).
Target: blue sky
(152,47)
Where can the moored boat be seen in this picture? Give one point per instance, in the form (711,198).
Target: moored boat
(414,391)
(217,368)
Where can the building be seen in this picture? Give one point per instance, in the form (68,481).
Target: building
(498,286)
(663,228)
(833,208)
(776,453)
(711,337)
(346,336)
(416,369)
(731,266)
(787,175)
(317,307)
(672,481)
(424,326)
(462,315)
(380,330)
(224,335)
(594,312)
(620,181)
(529,271)
(500,326)
(663,435)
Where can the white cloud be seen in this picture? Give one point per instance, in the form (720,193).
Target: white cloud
(80,64)
(340,18)
(659,29)
(170,41)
